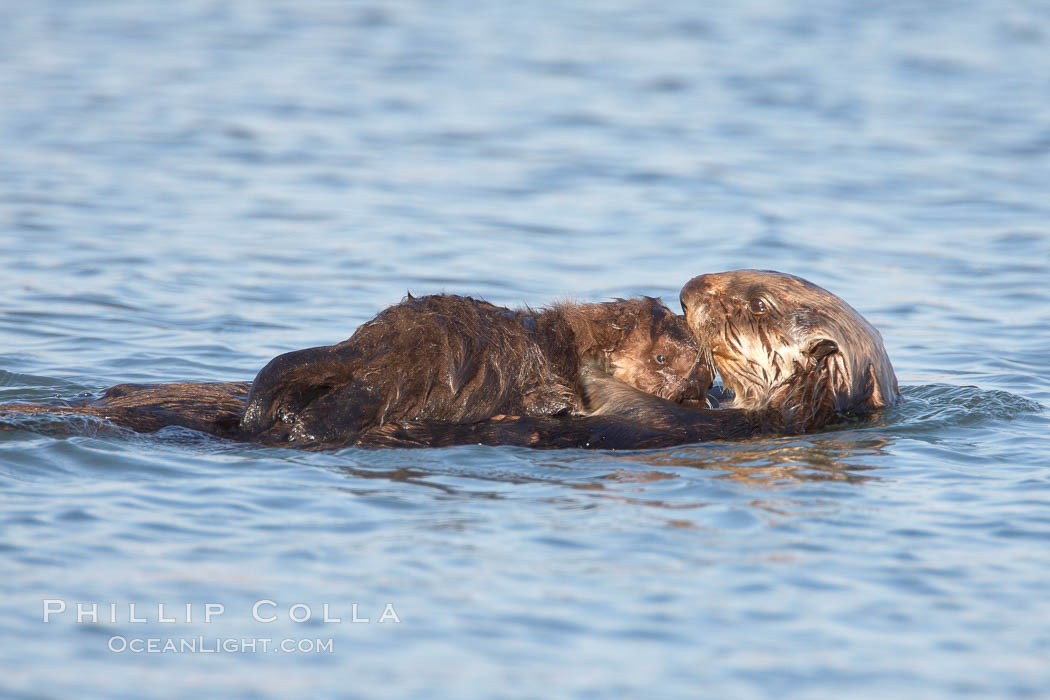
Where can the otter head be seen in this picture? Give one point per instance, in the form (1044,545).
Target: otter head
(778,339)
(657,354)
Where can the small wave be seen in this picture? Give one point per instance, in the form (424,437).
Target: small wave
(59,426)
(941,405)
(29,387)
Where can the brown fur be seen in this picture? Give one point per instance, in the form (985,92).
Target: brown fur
(213,408)
(784,344)
(454,359)
(434,359)
(799,361)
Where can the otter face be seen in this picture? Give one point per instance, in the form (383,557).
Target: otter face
(769,333)
(662,358)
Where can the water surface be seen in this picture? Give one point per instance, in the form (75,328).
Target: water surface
(188,189)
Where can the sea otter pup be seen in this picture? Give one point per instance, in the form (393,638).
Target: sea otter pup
(454,359)
(795,356)
(436,358)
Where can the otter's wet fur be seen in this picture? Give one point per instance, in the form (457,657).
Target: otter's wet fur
(208,407)
(438,358)
(784,344)
(454,359)
(797,358)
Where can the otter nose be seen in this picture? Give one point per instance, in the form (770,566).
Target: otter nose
(691,391)
(695,293)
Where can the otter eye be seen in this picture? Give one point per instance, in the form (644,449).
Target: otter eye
(757,305)
(660,359)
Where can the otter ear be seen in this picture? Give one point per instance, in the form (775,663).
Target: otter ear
(819,349)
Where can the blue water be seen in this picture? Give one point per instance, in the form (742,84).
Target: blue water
(190,188)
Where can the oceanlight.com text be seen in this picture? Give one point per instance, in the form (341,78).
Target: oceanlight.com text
(218,645)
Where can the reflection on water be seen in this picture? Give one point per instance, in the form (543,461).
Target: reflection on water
(771,461)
